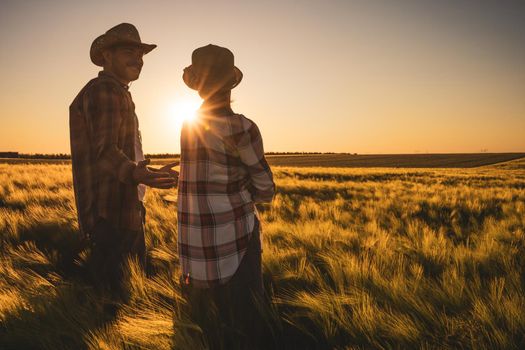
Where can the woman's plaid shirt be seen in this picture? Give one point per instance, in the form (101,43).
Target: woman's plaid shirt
(223,173)
(103,128)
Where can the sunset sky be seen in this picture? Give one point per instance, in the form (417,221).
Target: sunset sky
(342,76)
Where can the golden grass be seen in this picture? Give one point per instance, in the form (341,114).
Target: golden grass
(353,259)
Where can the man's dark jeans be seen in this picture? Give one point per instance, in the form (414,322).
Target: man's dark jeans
(110,249)
(228,313)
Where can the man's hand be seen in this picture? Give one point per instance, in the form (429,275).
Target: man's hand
(168,169)
(158,179)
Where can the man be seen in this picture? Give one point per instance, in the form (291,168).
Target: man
(109,170)
(223,174)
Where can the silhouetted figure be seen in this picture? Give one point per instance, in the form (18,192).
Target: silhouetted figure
(223,174)
(109,170)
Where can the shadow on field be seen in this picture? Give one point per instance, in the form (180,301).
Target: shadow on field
(60,305)
(61,243)
(66,317)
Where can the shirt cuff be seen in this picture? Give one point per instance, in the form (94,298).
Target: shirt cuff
(125,172)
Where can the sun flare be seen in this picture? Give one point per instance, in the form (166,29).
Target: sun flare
(184,108)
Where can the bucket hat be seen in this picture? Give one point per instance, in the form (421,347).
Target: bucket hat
(212,65)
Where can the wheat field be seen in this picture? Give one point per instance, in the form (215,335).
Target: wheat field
(375,258)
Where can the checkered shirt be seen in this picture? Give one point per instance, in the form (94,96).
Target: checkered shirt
(103,132)
(223,173)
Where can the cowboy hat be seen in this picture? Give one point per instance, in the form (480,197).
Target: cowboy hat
(212,64)
(123,33)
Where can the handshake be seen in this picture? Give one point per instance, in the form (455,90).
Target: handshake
(164,177)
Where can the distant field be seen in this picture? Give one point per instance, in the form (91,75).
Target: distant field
(376,258)
(466,160)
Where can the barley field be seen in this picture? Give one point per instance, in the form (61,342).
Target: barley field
(361,258)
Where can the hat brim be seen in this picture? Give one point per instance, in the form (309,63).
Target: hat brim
(192,79)
(104,42)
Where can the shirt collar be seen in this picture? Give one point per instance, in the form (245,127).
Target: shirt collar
(111,76)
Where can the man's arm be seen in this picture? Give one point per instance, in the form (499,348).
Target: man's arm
(104,110)
(251,152)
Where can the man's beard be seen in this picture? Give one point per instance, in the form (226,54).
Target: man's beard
(128,72)
(133,71)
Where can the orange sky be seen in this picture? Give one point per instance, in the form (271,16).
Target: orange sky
(340,76)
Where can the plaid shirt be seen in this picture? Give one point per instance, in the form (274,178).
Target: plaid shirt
(103,130)
(223,173)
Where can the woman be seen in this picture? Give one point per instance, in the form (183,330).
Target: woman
(223,173)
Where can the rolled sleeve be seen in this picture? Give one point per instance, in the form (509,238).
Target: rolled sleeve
(251,152)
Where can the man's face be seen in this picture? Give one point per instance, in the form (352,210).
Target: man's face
(125,62)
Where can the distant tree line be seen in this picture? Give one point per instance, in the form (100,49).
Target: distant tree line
(9,155)
(35,155)
(152,156)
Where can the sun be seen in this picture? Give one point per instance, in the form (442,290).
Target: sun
(184,108)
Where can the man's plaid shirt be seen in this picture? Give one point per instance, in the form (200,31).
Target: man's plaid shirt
(223,173)
(103,128)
